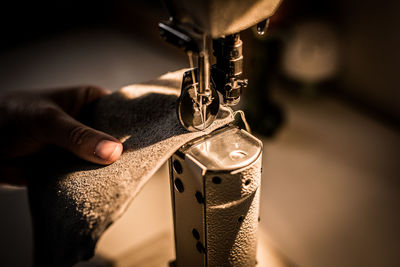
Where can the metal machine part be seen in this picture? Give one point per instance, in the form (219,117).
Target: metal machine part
(215,187)
(200,91)
(193,22)
(192,116)
(218,18)
(226,73)
(215,180)
(224,76)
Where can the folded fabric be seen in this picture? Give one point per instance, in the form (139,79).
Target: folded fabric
(73,201)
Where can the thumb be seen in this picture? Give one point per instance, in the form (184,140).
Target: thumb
(60,129)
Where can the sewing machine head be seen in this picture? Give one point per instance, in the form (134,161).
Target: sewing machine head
(193,26)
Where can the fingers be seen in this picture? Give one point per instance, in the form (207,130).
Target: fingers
(85,142)
(72,100)
(58,128)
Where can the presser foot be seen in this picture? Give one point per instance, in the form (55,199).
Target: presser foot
(196,112)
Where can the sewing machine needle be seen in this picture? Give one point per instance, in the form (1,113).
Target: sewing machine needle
(204,116)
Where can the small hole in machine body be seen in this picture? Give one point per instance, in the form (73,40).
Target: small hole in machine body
(196,234)
(177,166)
(199,197)
(200,247)
(216,180)
(179,185)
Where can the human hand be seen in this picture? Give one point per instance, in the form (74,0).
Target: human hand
(29,121)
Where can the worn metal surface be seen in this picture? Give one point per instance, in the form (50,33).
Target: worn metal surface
(216,206)
(222,17)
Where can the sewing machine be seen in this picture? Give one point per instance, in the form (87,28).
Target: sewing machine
(193,25)
(215,180)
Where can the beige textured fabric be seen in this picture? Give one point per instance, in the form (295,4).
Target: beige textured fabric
(73,202)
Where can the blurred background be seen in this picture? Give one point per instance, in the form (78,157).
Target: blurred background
(323,96)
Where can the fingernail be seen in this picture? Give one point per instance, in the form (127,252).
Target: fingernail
(108,150)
